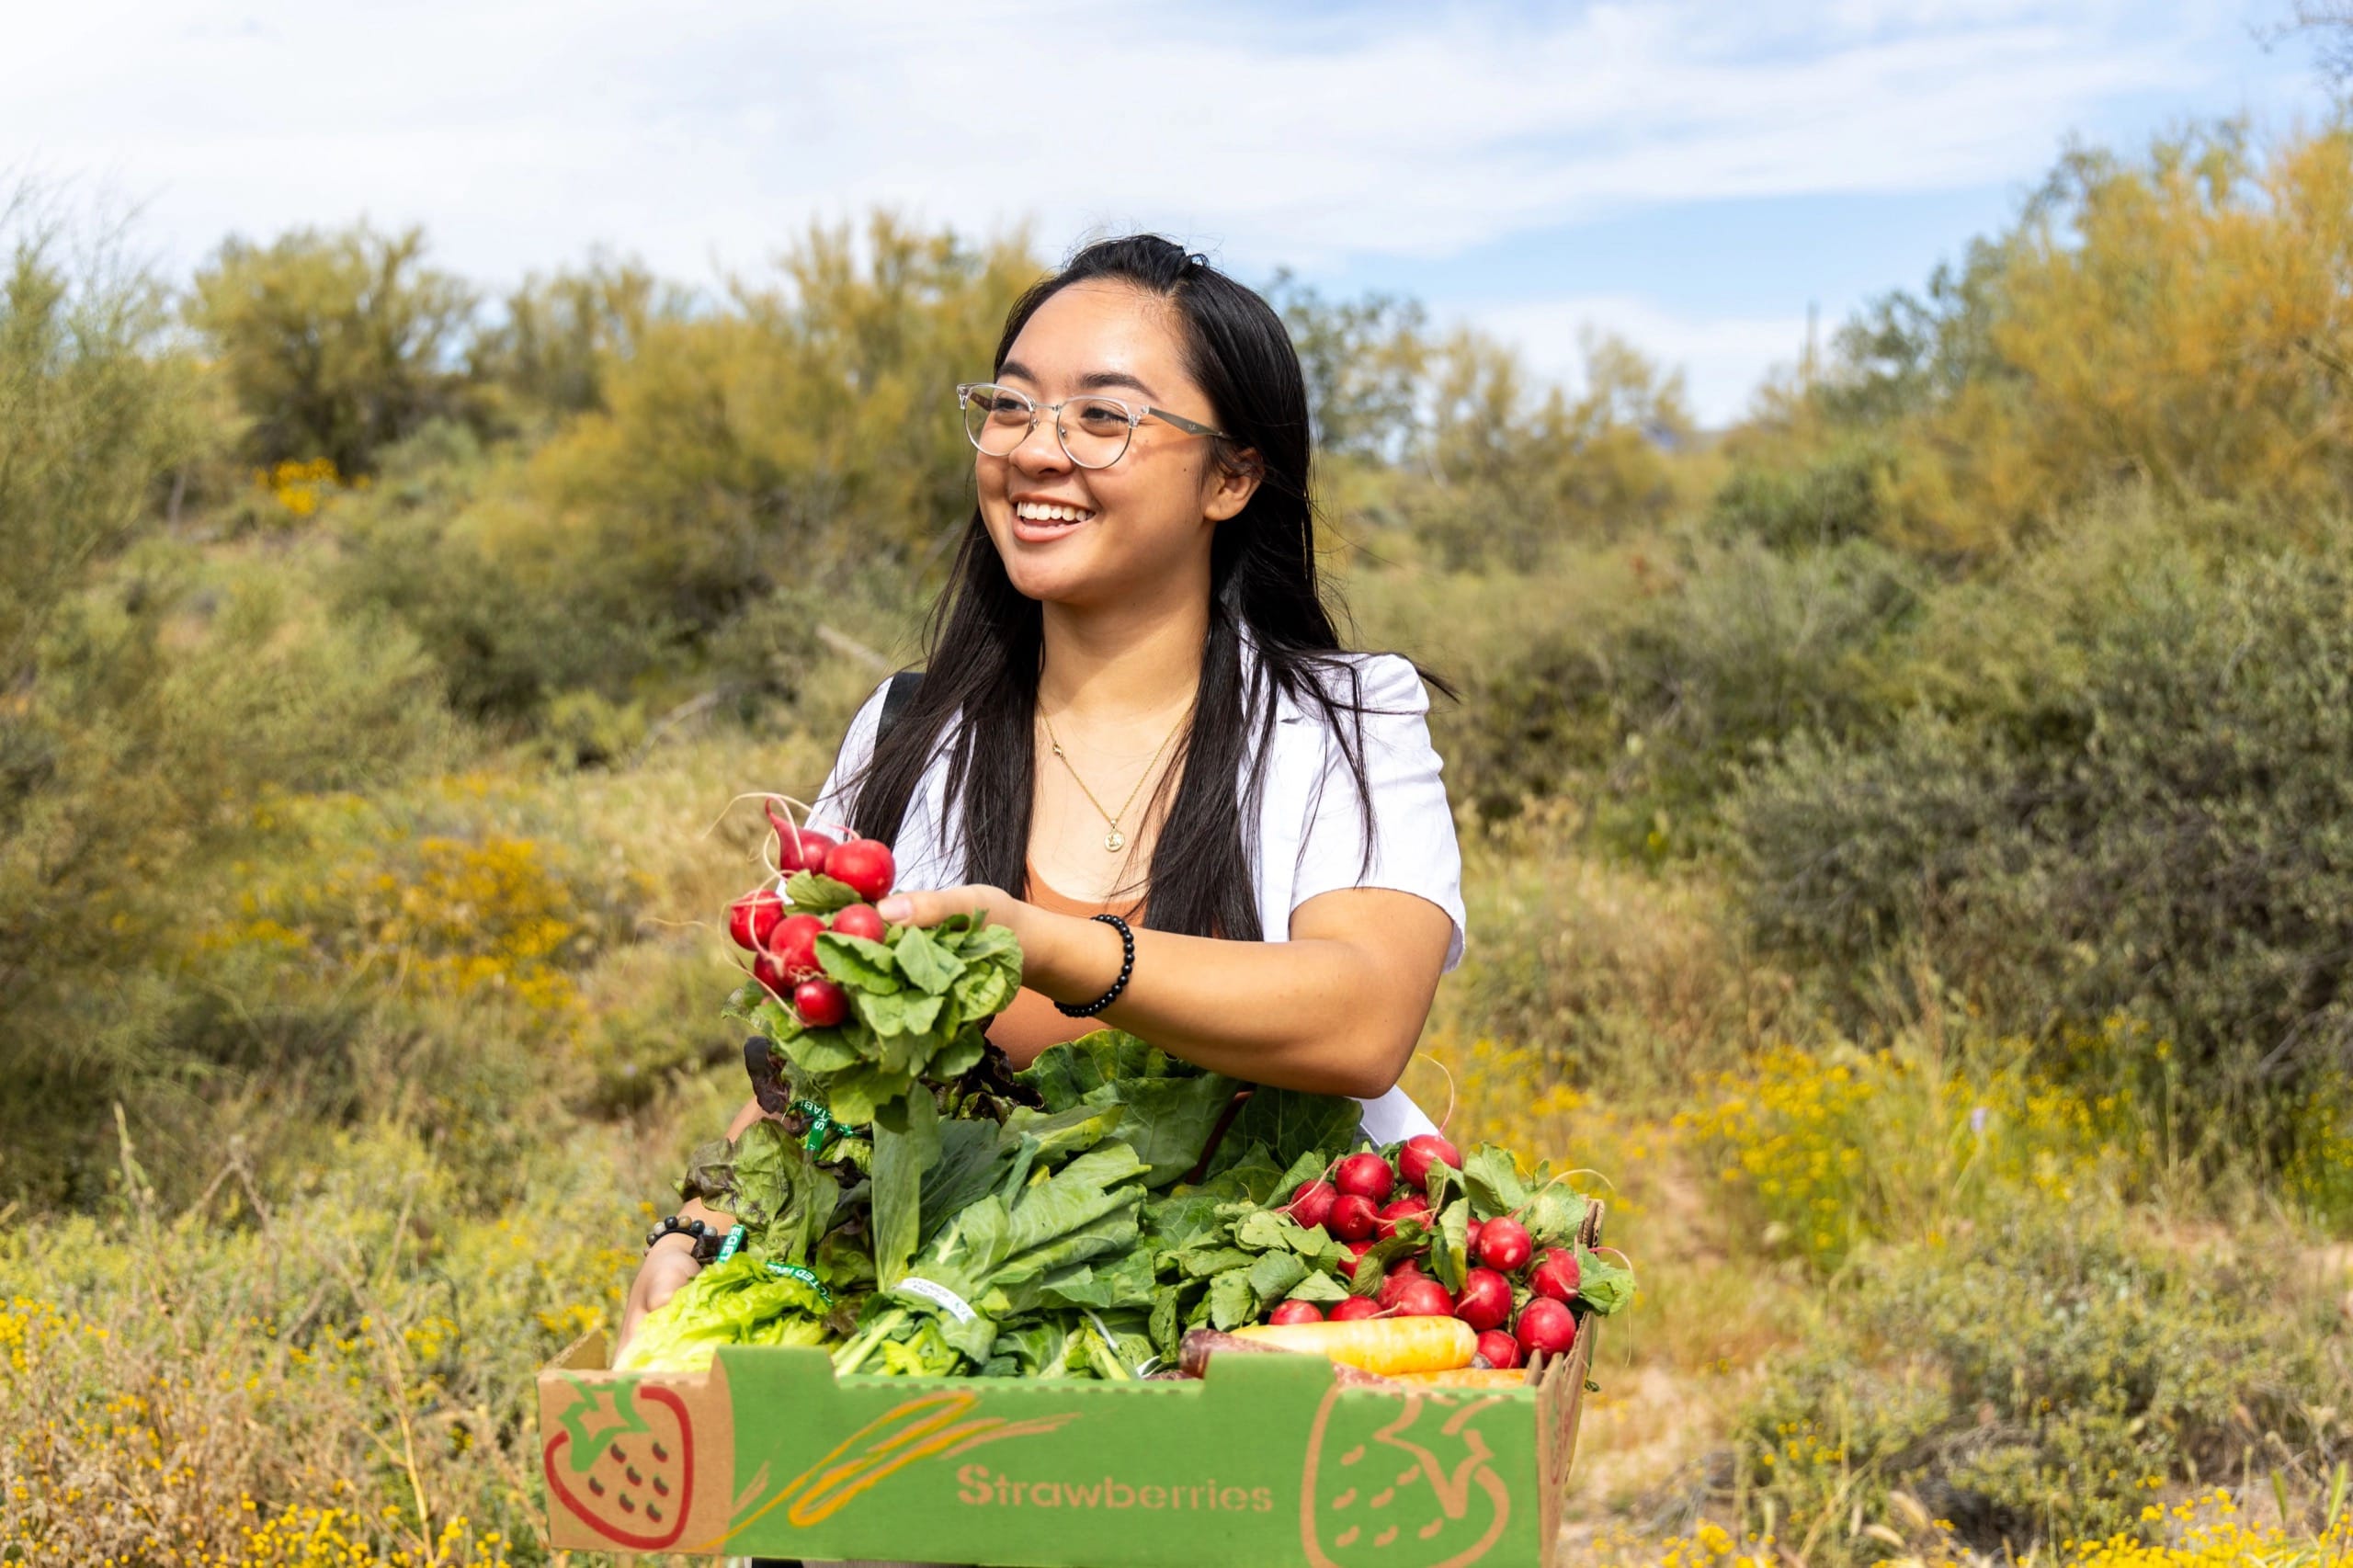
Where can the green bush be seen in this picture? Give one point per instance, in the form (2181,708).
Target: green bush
(2166,829)
(2033,1379)
(335,344)
(1650,718)
(1837,497)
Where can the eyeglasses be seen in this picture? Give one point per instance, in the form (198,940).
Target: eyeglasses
(1094,431)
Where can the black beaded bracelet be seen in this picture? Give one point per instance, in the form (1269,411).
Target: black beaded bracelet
(1127,967)
(707,1241)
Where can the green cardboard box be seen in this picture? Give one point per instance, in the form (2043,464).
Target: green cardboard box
(1265,1462)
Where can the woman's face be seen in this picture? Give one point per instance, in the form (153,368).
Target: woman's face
(1145,523)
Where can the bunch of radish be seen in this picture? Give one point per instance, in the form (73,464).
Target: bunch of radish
(782,937)
(1519,1297)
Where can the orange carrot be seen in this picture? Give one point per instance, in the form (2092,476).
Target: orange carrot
(1386,1345)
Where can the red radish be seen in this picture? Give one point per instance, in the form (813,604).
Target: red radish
(770,974)
(1296,1311)
(820,1003)
(1393,1283)
(798,849)
(1312,1205)
(1485,1301)
(865,864)
(859,920)
(1501,1349)
(1471,1237)
(1414,1160)
(1365,1175)
(752,917)
(1415,1208)
(793,945)
(1504,1245)
(1356,1249)
(1355,1307)
(1425,1298)
(1352,1217)
(1557,1275)
(1545,1324)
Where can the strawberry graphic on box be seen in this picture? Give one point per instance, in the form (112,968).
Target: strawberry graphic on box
(1395,1483)
(625,1462)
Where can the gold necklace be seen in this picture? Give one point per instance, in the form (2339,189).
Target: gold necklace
(1113,841)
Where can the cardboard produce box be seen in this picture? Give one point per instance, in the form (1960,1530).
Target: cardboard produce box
(1266,1461)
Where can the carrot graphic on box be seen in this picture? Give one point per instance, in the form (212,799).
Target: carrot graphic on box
(921,1429)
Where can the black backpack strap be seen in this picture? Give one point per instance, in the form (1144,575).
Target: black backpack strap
(895,697)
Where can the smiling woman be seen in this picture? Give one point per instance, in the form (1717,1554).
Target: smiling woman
(1138,743)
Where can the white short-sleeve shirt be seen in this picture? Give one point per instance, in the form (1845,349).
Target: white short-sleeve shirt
(1310,836)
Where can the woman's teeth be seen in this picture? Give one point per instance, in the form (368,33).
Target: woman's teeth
(1036,512)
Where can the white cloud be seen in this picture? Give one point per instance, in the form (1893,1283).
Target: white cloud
(521,130)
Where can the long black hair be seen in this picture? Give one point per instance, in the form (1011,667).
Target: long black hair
(984,640)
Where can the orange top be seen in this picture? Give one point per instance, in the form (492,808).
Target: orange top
(1030,1024)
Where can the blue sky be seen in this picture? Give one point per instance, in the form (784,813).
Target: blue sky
(1688,174)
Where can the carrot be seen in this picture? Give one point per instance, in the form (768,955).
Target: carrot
(1385,1346)
(1465,1377)
(1193,1357)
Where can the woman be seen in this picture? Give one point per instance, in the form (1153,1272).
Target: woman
(1135,704)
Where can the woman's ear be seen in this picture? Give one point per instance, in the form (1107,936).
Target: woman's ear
(1232,481)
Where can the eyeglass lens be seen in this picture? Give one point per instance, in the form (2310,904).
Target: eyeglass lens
(1094,430)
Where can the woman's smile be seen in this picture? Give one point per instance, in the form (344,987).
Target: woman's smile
(1041,520)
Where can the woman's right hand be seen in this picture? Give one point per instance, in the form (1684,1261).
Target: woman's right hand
(668,1266)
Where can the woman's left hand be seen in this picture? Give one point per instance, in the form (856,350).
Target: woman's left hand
(1052,945)
(930,908)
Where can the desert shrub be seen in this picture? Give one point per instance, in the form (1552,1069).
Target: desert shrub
(1841,495)
(2030,1379)
(328,1362)
(1501,477)
(334,345)
(2167,831)
(1832,1147)
(1605,975)
(1649,721)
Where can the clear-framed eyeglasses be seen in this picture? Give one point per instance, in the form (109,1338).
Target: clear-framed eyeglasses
(1094,431)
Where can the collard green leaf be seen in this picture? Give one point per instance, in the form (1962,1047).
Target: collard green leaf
(1055,1137)
(1290,1124)
(902,1155)
(929,967)
(858,962)
(1168,1121)
(814,892)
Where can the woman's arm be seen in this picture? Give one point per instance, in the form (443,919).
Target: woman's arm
(1335,1010)
(669,1262)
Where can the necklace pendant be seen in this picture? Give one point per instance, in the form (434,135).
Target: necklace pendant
(1115,841)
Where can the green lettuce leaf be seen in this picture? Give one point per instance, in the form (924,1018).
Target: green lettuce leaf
(736,1302)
